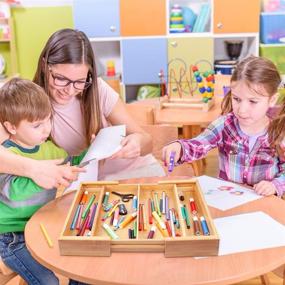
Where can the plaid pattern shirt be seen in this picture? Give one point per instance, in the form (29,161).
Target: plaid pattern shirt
(236,163)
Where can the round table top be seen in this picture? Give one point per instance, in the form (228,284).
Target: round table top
(152,268)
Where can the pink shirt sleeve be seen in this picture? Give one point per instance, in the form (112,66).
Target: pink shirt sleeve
(108,98)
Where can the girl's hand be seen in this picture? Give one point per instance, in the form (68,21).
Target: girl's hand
(49,173)
(265,188)
(131,147)
(166,151)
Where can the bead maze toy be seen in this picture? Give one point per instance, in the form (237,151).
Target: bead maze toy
(200,82)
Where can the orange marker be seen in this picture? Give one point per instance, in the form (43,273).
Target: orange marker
(168,228)
(84,197)
(127,220)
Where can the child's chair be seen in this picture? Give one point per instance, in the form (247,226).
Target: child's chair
(142,114)
(6,274)
(161,135)
(280,272)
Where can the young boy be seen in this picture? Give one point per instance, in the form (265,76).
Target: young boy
(25,112)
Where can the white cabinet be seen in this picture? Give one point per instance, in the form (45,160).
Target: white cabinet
(141,44)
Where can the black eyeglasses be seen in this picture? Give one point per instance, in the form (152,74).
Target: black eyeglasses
(62,81)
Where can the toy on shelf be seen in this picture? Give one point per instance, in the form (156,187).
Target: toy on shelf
(13,2)
(163,88)
(111,68)
(273,5)
(228,65)
(111,77)
(176,19)
(206,86)
(5,14)
(194,90)
(7,35)
(189,18)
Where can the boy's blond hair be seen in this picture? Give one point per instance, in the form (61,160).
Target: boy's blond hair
(22,99)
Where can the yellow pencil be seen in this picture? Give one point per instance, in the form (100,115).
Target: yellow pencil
(44,231)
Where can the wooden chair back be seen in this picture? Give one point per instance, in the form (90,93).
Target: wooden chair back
(4,279)
(161,136)
(280,272)
(142,114)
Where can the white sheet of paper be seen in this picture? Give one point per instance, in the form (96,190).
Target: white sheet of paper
(106,143)
(250,231)
(217,197)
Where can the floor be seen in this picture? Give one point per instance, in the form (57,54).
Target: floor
(212,170)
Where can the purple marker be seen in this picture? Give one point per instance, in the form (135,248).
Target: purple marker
(167,216)
(171,161)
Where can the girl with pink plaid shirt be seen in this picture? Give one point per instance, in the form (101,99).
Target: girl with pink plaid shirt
(247,139)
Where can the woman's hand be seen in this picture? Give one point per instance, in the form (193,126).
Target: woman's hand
(131,147)
(265,188)
(166,151)
(93,136)
(49,173)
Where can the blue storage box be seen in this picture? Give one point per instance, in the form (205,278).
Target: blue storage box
(272,27)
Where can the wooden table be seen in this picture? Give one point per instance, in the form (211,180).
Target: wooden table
(192,120)
(152,268)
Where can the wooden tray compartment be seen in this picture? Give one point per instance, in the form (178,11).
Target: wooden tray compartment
(150,191)
(190,244)
(98,243)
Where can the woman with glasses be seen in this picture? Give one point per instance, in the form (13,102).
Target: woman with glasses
(83,104)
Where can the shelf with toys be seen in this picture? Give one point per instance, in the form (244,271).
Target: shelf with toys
(182,34)
(272,33)
(7,42)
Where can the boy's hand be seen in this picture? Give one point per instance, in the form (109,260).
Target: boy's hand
(265,188)
(49,173)
(174,148)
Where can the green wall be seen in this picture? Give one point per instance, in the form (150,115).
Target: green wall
(33,26)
